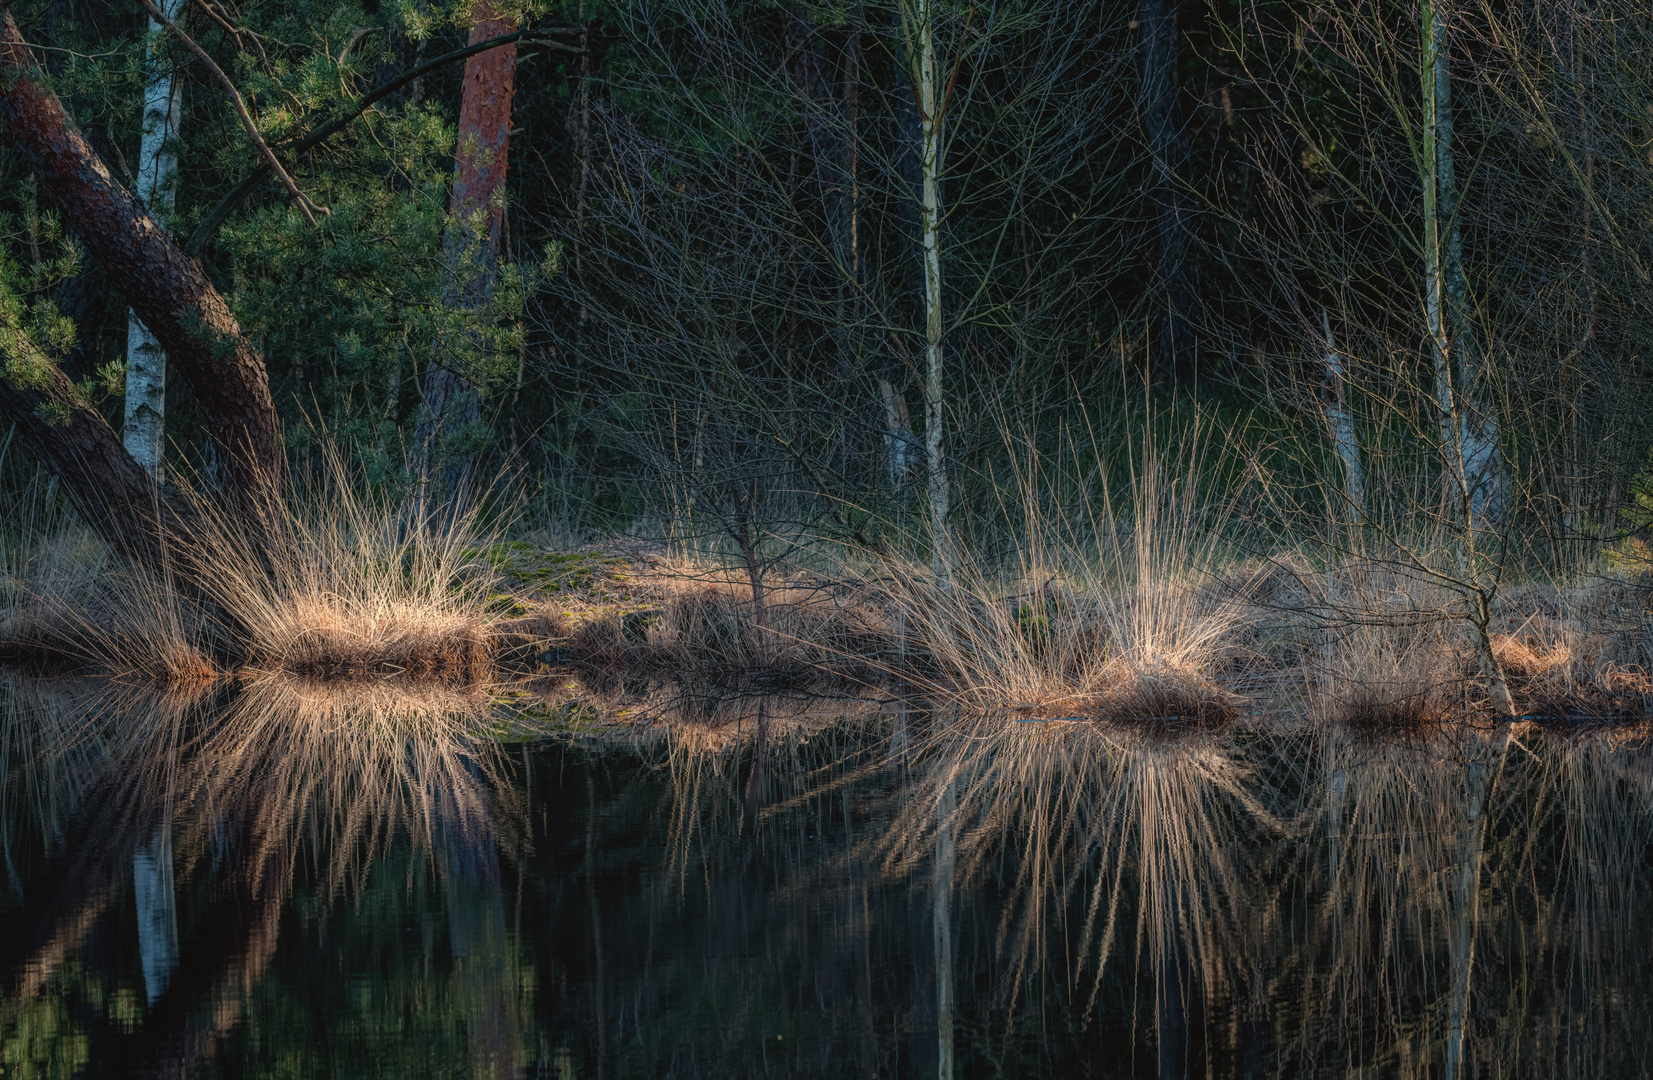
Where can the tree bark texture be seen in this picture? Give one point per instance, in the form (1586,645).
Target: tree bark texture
(116,498)
(1167,148)
(167,290)
(1342,425)
(928,78)
(477,206)
(144,432)
(1469,426)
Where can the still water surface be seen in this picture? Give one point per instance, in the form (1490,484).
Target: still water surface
(282,881)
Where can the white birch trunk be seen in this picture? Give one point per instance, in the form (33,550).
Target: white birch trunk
(1486,761)
(144,432)
(157,903)
(929,103)
(1469,426)
(1342,428)
(898,436)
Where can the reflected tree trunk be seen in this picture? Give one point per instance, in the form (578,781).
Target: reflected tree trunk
(946,864)
(1486,762)
(475,900)
(157,903)
(760,768)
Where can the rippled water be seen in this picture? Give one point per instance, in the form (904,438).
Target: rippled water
(287,881)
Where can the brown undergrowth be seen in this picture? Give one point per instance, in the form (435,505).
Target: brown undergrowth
(680,616)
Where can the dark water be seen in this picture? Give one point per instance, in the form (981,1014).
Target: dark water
(279,881)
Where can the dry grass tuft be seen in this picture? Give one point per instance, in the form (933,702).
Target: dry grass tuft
(1559,675)
(1120,616)
(1379,679)
(1170,698)
(367,586)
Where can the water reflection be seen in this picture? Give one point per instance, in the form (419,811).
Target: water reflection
(669,881)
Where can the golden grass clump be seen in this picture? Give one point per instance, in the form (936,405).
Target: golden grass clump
(1107,614)
(1560,675)
(361,585)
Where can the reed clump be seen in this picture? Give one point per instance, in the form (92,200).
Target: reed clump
(360,584)
(1115,610)
(1378,679)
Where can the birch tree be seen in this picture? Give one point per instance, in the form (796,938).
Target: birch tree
(1342,426)
(918,28)
(170,292)
(1469,427)
(144,433)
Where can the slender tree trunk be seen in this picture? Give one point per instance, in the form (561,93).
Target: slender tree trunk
(1342,426)
(1469,427)
(929,208)
(145,431)
(1469,431)
(898,435)
(852,211)
(477,209)
(168,290)
(1167,147)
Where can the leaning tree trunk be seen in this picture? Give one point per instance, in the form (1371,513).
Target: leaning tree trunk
(145,431)
(477,209)
(166,289)
(114,496)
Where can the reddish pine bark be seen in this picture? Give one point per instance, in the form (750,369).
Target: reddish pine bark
(480,158)
(167,289)
(484,130)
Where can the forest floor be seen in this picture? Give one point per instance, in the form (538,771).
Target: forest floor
(1258,637)
(1189,650)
